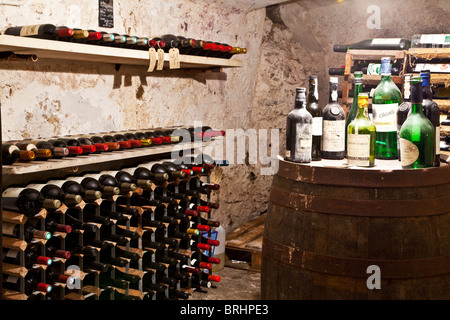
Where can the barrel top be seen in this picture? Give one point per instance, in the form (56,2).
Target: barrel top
(385,173)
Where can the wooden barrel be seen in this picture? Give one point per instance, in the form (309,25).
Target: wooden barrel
(333,232)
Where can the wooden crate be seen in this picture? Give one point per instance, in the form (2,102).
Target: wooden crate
(243,246)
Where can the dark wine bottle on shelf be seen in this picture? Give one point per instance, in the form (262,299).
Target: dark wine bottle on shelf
(78,224)
(431,111)
(404,108)
(73,150)
(186,44)
(127,180)
(43,31)
(333,138)
(54,276)
(135,143)
(31,283)
(99,147)
(31,257)
(75,248)
(90,264)
(170,170)
(54,252)
(365,68)
(40,154)
(106,39)
(30,232)
(133,138)
(107,180)
(144,173)
(113,144)
(376,44)
(52,191)
(53,225)
(119,40)
(27,201)
(312,105)
(156,43)
(87,149)
(74,188)
(156,140)
(106,257)
(146,141)
(11,153)
(92,184)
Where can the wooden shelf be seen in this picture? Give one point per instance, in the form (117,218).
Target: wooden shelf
(51,49)
(429,53)
(53,164)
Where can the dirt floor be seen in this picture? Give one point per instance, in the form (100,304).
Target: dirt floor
(235,284)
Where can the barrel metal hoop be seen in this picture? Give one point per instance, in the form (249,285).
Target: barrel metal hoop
(355,267)
(362,208)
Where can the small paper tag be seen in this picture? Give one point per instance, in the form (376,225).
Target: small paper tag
(174,58)
(152,59)
(160,64)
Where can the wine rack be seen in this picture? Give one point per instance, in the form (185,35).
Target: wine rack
(94,283)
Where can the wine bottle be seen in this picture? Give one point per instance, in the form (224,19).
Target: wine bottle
(375,44)
(42,31)
(132,138)
(91,184)
(144,139)
(113,144)
(333,138)
(432,112)
(99,147)
(107,180)
(29,233)
(299,130)
(87,149)
(128,182)
(74,188)
(158,168)
(52,191)
(119,40)
(365,68)
(78,224)
(106,39)
(144,173)
(27,201)
(404,108)
(11,153)
(354,108)
(156,43)
(417,133)
(31,257)
(54,276)
(386,99)
(73,150)
(53,225)
(135,143)
(361,136)
(312,105)
(159,134)
(54,252)
(12,282)
(155,139)
(57,153)
(40,154)
(430,41)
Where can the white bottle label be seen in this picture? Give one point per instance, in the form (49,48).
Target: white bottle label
(303,142)
(76,179)
(12,192)
(29,30)
(385,117)
(37,186)
(387,41)
(438,140)
(92,175)
(111,173)
(358,149)
(409,152)
(317,126)
(333,138)
(58,183)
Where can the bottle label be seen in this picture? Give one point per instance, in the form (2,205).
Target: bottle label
(409,152)
(333,138)
(438,140)
(12,148)
(93,175)
(76,179)
(434,39)
(111,173)
(433,67)
(58,183)
(36,186)
(29,30)
(385,117)
(317,126)
(12,192)
(374,68)
(303,142)
(358,149)
(386,41)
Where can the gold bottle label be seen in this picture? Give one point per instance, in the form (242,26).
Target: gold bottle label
(358,149)
(30,30)
(409,152)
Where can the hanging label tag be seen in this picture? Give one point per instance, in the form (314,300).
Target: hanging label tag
(160,64)
(152,59)
(174,58)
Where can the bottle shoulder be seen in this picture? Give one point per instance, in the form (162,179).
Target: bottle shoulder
(387,92)
(333,111)
(417,120)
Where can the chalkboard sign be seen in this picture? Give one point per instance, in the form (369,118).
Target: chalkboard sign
(106,13)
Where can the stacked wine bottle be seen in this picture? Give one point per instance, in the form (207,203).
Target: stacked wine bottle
(188,46)
(140,233)
(85,145)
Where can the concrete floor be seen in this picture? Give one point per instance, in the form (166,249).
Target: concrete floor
(235,284)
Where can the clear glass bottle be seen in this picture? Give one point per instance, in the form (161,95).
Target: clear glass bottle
(354,108)
(312,106)
(299,130)
(417,133)
(386,99)
(333,136)
(361,136)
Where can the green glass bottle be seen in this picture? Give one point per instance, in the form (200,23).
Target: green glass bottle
(361,136)
(312,106)
(354,108)
(386,99)
(417,133)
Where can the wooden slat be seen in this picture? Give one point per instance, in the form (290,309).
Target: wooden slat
(430,53)
(13,295)
(249,235)
(13,243)
(245,227)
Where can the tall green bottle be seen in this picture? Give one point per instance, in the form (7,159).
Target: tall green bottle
(361,136)
(417,135)
(386,99)
(312,106)
(354,108)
